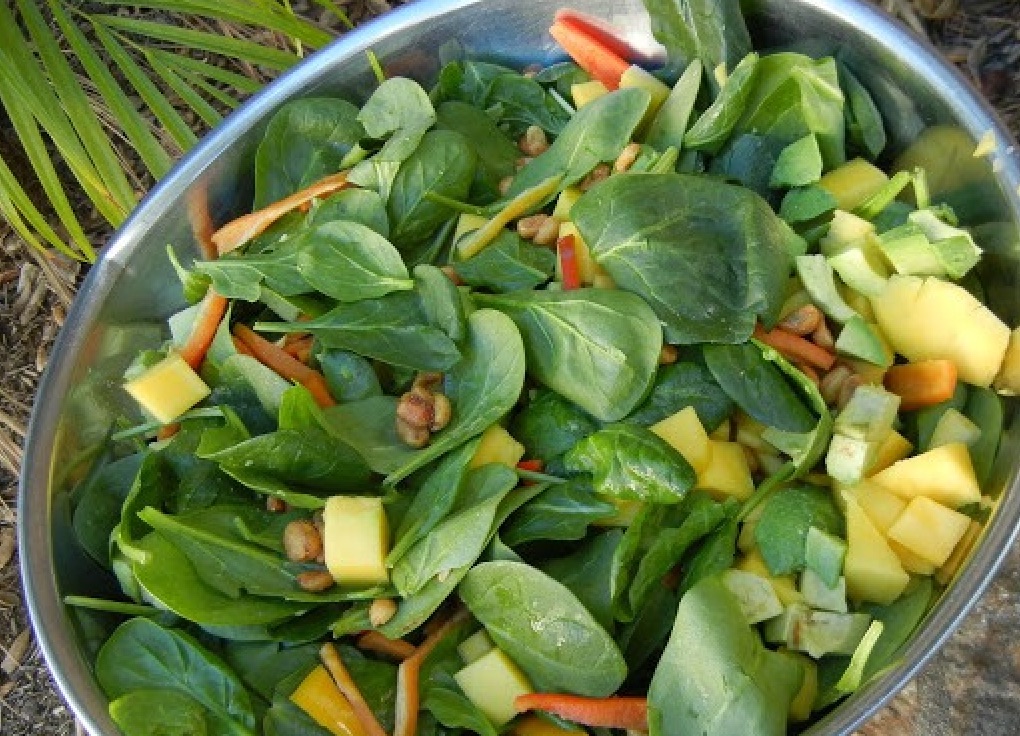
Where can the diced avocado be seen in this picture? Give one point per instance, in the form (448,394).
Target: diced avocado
(475,646)
(757,597)
(168,389)
(824,554)
(492,682)
(860,339)
(564,203)
(869,415)
(782,628)
(657,90)
(823,632)
(895,214)
(910,252)
(806,204)
(586,92)
(846,230)
(356,540)
(854,182)
(497,446)
(848,459)
(953,426)
(862,268)
(928,418)
(819,595)
(954,247)
(816,275)
(467,223)
(798,165)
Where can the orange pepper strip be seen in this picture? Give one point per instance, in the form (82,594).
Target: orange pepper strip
(630,713)
(285,364)
(921,384)
(373,641)
(795,348)
(349,688)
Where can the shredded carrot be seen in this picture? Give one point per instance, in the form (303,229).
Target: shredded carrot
(629,713)
(535,466)
(210,314)
(300,349)
(795,348)
(922,384)
(201,221)
(241,347)
(568,263)
(285,364)
(238,232)
(350,690)
(590,53)
(167,431)
(373,641)
(597,29)
(409,673)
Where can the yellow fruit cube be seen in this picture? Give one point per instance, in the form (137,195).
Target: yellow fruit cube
(1008,379)
(586,92)
(872,570)
(685,433)
(912,563)
(356,540)
(944,474)
(929,530)
(168,389)
(722,432)
(948,571)
(853,183)
(727,474)
(881,505)
(893,448)
(657,90)
(320,698)
(492,682)
(784,585)
(497,446)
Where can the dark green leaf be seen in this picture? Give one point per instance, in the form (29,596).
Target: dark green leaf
(348,376)
(562,512)
(678,386)
(350,262)
(550,425)
(495,152)
(98,504)
(710,30)
(713,128)
(441,301)
(587,574)
(353,205)
(159,712)
(509,263)
(781,531)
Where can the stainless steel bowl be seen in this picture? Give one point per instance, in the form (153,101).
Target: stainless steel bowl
(126,296)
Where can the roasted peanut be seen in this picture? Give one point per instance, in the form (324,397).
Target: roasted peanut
(315,581)
(381,611)
(822,336)
(302,541)
(275,505)
(442,412)
(832,382)
(528,227)
(505,183)
(668,355)
(415,437)
(803,321)
(533,142)
(548,232)
(627,157)
(416,408)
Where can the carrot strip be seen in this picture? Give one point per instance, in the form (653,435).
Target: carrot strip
(238,232)
(922,384)
(241,347)
(409,673)
(167,431)
(535,466)
(373,641)
(210,314)
(596,29)
(350,690)
(568,263)
(300,349)
(590,53)
(614,712)
(285,364)
(795,348)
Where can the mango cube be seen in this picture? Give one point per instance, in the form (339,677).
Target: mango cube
(929,530)
(881,505)
(356,540)
(586,92)
(492,682)
(497,446)
(895,447)
(872,570)
(320,698)
(853,183)
(784,585)
(727,474)
(684,432)
(944,474)
(912,562)
(948,571)
(168,389)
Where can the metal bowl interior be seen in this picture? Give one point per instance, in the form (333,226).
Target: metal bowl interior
(126,296)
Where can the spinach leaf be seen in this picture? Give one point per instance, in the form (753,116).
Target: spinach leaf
(562,512)
(900,618)
(544,628)
(496,154)
(309,459)
(748,159)
(508,264)
(98,504)
(758,387)
(864,122)
(441,301)
(598,348)
(670,123)
(284,718)
(596,133)
(678,386)
(587,574)
(459,539)
(141,655)
(348,376)
(304,142)
(238,276)
(442,164)
(391,329)
(715,677)
(454,710)
(252,390)
(709,30)
(715,554)
(263,666)
(153,486)
(160,712)
(707,256)
(631,463)
(781,531)
(370,427)
(482,387)
(713,128)
(647,633)
(350,262)
(362,206)
(377,682)
(550,425)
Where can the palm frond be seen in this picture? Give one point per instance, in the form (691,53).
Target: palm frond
(185,91)
(16,207)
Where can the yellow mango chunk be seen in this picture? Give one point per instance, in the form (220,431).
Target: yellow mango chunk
(912,563)
(586,92)
(929,530)
(944,474)
(894,447)
(881,505)
(497,446)
(948,571)
(722,432)
(685,433)
(531,725)
(320,698)
(872,570)
(356,540)
(727,474)
(492,682)
(784,585)
(168,389)
(1007,381)
(853,183)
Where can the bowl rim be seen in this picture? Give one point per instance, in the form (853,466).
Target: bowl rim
(47,615)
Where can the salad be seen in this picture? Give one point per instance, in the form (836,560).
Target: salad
(577,399)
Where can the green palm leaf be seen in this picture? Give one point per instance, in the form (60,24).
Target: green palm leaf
(14,202)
